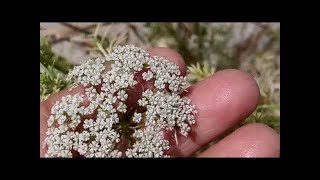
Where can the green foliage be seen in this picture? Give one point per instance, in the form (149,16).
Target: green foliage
(52,71)
(51,81)
(197,72)
(103,44)
(53,68)
(196,42)
(266,114)
(48,58)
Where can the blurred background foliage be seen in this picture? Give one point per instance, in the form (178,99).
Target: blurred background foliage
(206,48)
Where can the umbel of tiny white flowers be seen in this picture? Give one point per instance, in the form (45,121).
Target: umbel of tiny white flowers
(71,133)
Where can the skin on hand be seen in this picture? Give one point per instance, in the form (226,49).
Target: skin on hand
(222,101)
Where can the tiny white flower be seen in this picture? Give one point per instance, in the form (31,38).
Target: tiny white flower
(147,75)
(51,120)
(122,95)
(142,102)
(114,118)
(122,107)
(137,117)
(88,123)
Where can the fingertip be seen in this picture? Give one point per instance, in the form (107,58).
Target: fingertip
(244,85)
(252,140)
(265,139)
(226,98)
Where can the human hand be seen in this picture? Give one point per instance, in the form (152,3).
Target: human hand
(222,100)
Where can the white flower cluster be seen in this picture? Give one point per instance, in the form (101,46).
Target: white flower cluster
(168,110)
(96,130)
(150,143)
(88,72)
(97,138)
